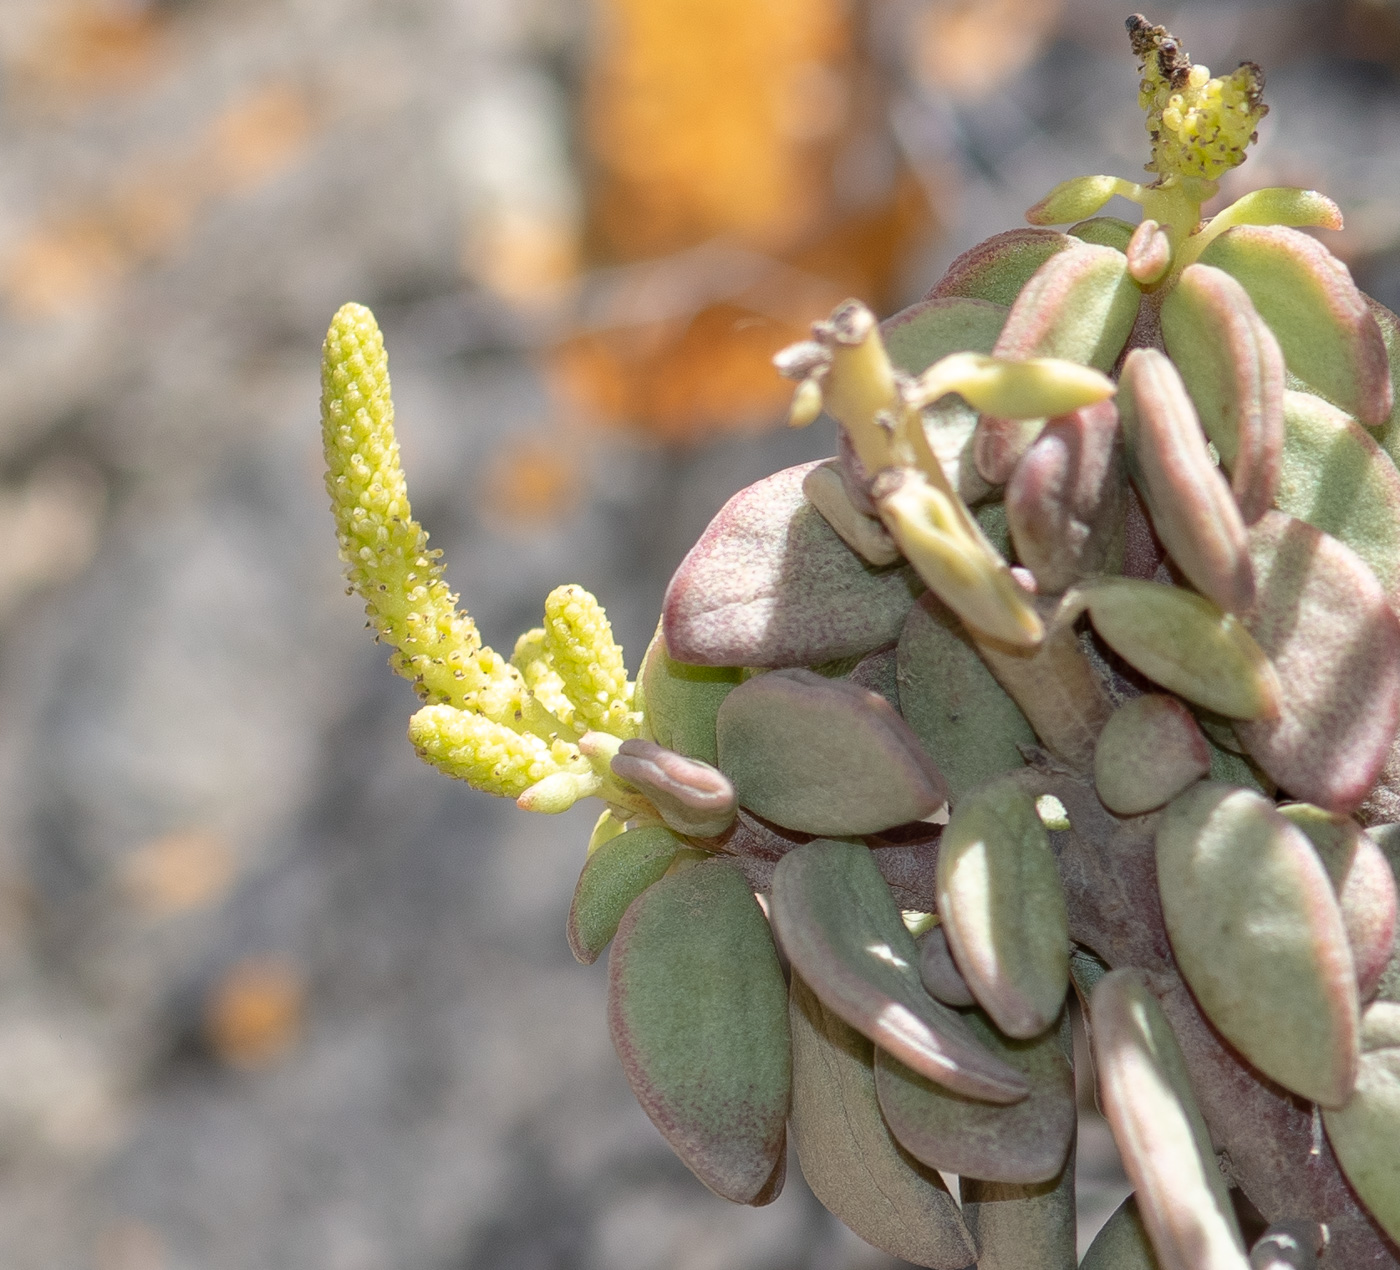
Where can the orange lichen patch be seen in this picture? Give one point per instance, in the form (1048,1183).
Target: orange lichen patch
(706,117)
(178,872)
(531,483)
(254,1015)
(89,48)
(969,47)
(152,205)
(524,259)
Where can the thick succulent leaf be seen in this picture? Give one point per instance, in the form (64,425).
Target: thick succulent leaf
(680,700)
(1364,1133)
(1066,498)
(1387,838)
(1149,253)
(928,331)
(1233,368)
(1194,514)
(1388,433)
(770,583)
(1258,934)
(824,756)
(613,876)
(1018,1225)
(1334,642)
(939,973)
(848,1156)
(1363,883)
(1149,751)
(1105,231)
(1329,338)
(838,924)
(1337,478)
(999,267)
(1122,1243)
(697,1008)
(1003,909)
(1278,205)
(961,715)
(1146,1095)
(878,672)
(1079,305)
(1025,1142)
(1183,642)
(825,489)
(693,798)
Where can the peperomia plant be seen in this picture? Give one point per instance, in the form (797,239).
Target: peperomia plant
(879,798)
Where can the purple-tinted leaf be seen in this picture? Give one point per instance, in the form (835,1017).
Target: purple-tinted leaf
(1146,1095)
(938,971)
(840,928)
(1233,368)
(998,268)
(1025,1142)
(1193,512)
(928,331)
(1065,499)
(824,756)
(697,1008)
(1329,337)
(1334,642)
(848,1156)
(1258,933)
(693,798)
(770,583)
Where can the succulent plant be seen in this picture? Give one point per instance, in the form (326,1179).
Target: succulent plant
(880,802)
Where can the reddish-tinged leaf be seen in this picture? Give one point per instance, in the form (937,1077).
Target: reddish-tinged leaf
(998,268)
(1149,751)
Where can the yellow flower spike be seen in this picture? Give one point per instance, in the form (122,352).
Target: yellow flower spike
(579,643)
(1200,126)
(533,662)
(488,755)
(1031,389)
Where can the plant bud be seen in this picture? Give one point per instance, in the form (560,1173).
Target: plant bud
(1149,253)
(693,798)
(1072,200)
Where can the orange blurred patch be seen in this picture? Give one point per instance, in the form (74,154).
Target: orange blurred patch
(531,483)
(178,873)
(153,204)
(524,259)
(89,48)
(254,1015)
(969,47)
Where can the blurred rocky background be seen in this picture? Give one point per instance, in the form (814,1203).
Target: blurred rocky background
(272,993)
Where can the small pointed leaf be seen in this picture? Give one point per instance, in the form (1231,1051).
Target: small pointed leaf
(1258,933)
(1003,909)
(838,924)
(1166,1149)
(697,1008)
(1025,1142)
(824,756)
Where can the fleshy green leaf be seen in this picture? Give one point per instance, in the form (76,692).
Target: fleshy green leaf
(1003,909)
(1025,1142)
(613,876)
(1233,368)
(962,716)
(697,1008)
(928,331)
(824,756)
(848,1156)
(1122,1243)
(1018,1225)
(681,700)
(1258,934)
(692,797)
(770,583)
(1334,642)
(1329,338)
(1364,1132)
(1186,644)
(1149,751)
(939,973)
(1166,1149)
(1105,231)
(838,924)
(1337,478)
